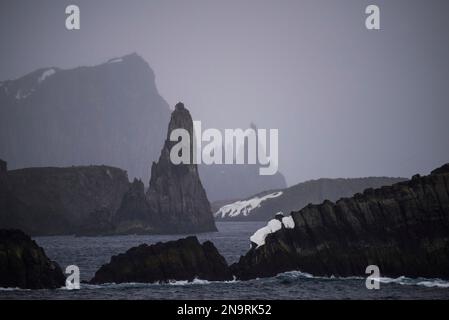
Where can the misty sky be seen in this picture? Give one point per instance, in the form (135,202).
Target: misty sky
(348,102)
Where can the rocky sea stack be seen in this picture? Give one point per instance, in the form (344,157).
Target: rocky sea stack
(184,259)
(175,191)
(403,229)
(100,200)
(23,264)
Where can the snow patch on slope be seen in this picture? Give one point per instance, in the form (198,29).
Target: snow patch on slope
(22,94)
(244,207)
(46,74)
(273,225)
(115,60)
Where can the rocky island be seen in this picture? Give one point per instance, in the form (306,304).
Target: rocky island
(184,259)
(403,229)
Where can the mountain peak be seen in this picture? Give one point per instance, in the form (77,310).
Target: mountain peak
(129,57)
(179,106)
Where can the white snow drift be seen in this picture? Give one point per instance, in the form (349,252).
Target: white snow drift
(46,74)
(273,225)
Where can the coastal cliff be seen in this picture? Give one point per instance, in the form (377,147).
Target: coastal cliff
(403,229)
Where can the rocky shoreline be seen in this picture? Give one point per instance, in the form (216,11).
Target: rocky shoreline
(403,229)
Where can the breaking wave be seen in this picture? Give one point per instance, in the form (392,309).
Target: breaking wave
(426,282)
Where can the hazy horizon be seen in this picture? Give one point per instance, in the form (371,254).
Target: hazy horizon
(348,102)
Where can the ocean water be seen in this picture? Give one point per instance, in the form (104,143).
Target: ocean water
(89,253)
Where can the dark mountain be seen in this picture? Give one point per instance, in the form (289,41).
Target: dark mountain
(263,206)
(107,114)
(403,229)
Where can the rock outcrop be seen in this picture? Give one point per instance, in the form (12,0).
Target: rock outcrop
(175,191)
(23,264)
(134,214)
(403,229)
(50,201)
(184,259)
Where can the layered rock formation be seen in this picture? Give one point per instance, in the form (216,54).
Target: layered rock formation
(23,264)
(184,259)
(403,229)
(175,191)
(47,201)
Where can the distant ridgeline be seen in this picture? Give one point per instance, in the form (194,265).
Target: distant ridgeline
(99,200)
(262,206)
(109,114)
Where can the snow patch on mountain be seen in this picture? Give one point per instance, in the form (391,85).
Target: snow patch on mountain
(244,207)
(21,94)
(115,60)
(46,74)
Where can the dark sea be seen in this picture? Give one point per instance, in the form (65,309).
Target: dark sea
(232,240)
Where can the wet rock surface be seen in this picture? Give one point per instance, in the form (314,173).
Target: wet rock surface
(184,259)
(23,264)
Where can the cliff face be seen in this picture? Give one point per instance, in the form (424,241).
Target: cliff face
(404,229)
(109,114)
(45,201)
(23,264)
(175,191)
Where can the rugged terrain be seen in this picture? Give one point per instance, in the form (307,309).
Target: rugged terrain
(403,229)
(263,206)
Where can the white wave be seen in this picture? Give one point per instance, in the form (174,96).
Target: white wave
(13,289)
(300,274)
(426,282)
(195,281)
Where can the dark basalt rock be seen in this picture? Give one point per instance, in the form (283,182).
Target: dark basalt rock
(175,191)
(404,229)
(134,214)
(23,264)
(184,259)
(50,201)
